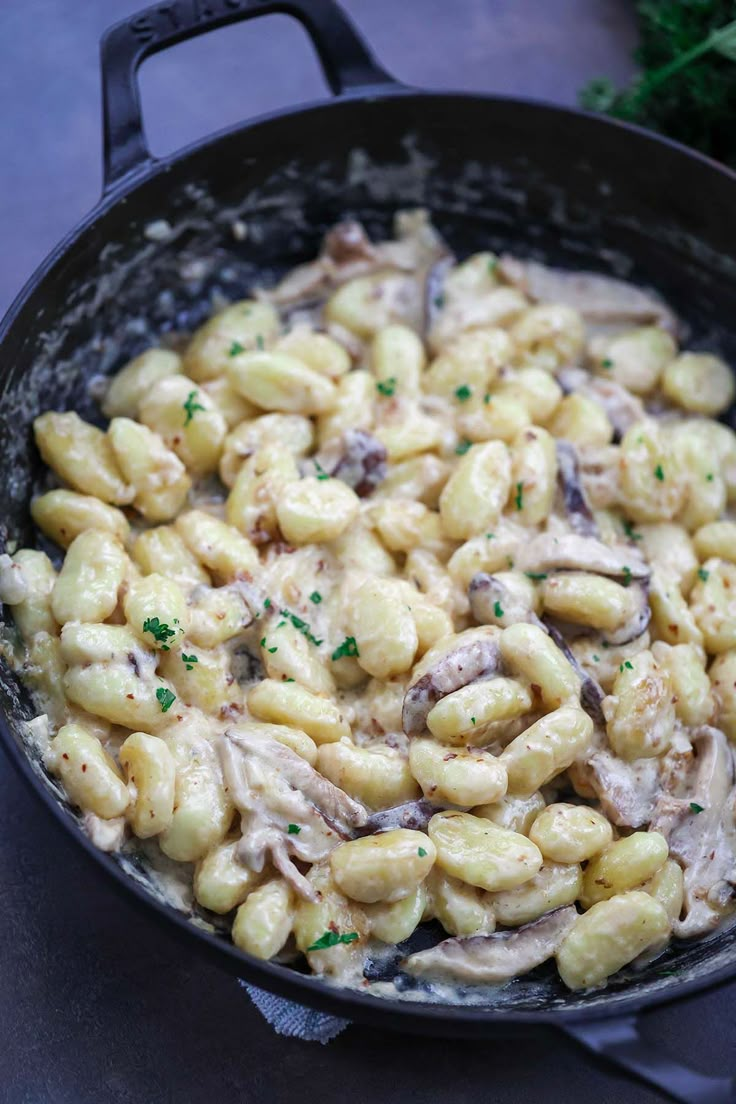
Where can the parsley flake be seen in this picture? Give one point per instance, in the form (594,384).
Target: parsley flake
(631,532)
(267,604)
(519,496)
(236,348)
(386,387)
(331,939)
(695,808)
(709,477)
(347,648)
(490,536)
(159,631)
(463,393)
(463,446)
(487,398)
(596,659)
(321,473)
(191,406)
(536,576)
(497,609)
(607,363)
(627,576)
(300,624)
(263,642)
(439,301)
(165,698)
(421,852)
(315,597)
(472,720)
(659,473)
(703,574)
(293,830)
(272,650)
(188,660)
(628,666)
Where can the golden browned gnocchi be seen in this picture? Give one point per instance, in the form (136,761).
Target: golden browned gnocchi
(412,601)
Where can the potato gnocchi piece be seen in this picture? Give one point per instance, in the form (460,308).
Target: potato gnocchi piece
(158,477)
(83,456)
(462,776)
(378,776)
(63,515)
(226,335)
(481,853)
(187,420)
(608,936)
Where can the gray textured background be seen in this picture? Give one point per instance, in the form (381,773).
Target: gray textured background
(96,1004)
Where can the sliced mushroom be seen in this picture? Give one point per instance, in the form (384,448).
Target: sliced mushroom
(347,243)
(591,692)
(412,814)
(363,462)
(627,791)
(486,592)
(598,298)
(273,787)
(470,656)
(622,408)
(571,552)
(490,959)
(577,507)
(697,819)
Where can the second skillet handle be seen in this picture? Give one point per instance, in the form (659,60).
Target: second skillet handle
(620,1041)
(346,60)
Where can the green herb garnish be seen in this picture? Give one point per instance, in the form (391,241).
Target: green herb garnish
(536,576)
(300,624)
(463,393)
(315,597)
(386,387)
(596,659)
(347,648)
(626,666)
(293,830)
(188,660)
(463,446)
(321,473)
(267,603)
(695,808)
(519,496)
(497,609)
(191,406)
(627,576)
(165,698)
(703,574)
(607,363)
(659,473)
(159,631)
(487,398)
(421,852)
(472,720)
(709,477)
(331,939)
(631,532)
(236,348)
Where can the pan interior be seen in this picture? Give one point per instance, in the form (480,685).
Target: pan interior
(495,175)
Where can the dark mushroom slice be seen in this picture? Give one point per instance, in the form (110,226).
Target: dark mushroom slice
(697,819)
(363,462)
(627,792)
(575,500)
(591,692)
(572,552)
(434,290)
(598,298)
(273,787)
(495,958)
(412,814)
(486,593)
(475,658)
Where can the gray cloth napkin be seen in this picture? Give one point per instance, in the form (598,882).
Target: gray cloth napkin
(294,1020)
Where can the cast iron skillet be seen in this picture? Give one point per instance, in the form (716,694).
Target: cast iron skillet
(496,173)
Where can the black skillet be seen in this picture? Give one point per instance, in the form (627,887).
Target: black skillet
(496,173)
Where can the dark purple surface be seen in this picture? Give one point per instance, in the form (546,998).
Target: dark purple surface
(98,1005)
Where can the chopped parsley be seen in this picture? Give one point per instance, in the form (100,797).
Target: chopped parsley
(596,659)
(386,387)
(236,348)
(487,398)
(293,830)
(263,642)
(259,342)
(472,720)
(315,597)
(497,609)
(288,680)
(421,852)
(267,604)
(347,648)
(300,624)
(321,473)
(709,477)
(272,650)
(463,393)
(188,660)
(607,363)
(165,698)
(703,574)
(519,496)
(463,446)
(439,301)
(659,473)
(159,631)
(490,536)
(631,532)
(695,808)
(191,406)
(331,939)
(628,666)
(627,576)
(536,576)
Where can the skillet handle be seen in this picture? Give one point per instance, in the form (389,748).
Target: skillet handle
(346,60)
(620,1041)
